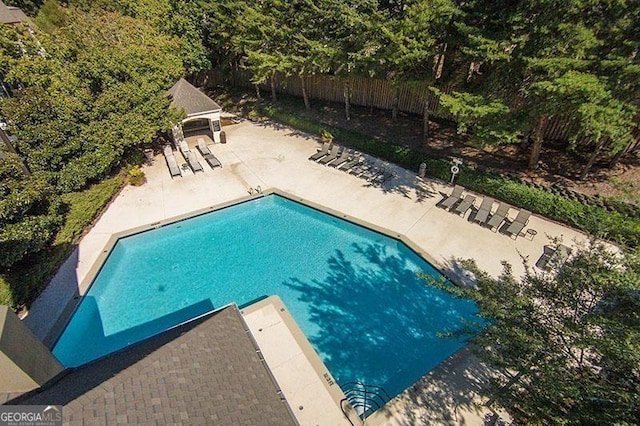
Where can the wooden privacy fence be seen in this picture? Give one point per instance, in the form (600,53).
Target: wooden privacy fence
(411,96)
(368,92)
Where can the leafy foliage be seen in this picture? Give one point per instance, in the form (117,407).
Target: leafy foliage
(20,284)
(136,176)
(512,67)
(177,19)
(51,16)
(29,214)
(74,122)
(84,206)
(567,341)
(489,121)
(586,102)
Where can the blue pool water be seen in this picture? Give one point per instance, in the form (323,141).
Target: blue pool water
(353,292)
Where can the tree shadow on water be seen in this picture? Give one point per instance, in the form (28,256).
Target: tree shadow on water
(377,321)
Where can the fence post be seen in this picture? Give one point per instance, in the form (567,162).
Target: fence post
(347,101)
(425,122)
(272,80)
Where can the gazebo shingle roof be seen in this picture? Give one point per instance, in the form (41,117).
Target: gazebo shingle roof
(11,15)
(193,101)
(204,372)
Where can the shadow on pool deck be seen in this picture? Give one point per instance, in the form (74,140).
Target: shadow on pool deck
(408,185)
(446,396)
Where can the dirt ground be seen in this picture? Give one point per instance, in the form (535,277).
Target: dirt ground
(621,182)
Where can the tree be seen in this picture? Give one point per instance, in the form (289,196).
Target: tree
(567,342)
(410,39)
(29,214)
(97,93)
(528,48)
(264,38)
(52,15)
(311,50)
(223,21)
(179,19)
(488,121)
(585,101)
(352,26)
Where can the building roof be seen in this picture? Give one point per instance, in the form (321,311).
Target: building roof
(207,371)
(193,101)
(11,15)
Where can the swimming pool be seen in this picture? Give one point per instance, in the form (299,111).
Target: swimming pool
(353,292)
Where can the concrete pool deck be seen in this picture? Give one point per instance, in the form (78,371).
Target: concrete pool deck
(315,398)
(268,155)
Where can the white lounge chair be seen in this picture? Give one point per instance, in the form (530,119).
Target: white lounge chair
(498,217)
(333,154)
(456,195)
(190,156)
(208,155)
(553,257)
(323,151)
(483,212)
(344,157)
(171,161)
(465,205)
(518,223)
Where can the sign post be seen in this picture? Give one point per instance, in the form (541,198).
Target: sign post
(455,169)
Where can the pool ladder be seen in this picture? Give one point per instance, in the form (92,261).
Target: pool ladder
(364,398)
(256,190)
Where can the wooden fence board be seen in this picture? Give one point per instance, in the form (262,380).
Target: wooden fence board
(374,93)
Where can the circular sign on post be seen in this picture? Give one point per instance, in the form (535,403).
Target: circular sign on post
(454,172)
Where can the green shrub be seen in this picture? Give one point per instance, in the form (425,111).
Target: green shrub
(84,206)
(30,235)
(136,176)
(326,136)
(28,277)
(253,115)
(617,227)
(6,295)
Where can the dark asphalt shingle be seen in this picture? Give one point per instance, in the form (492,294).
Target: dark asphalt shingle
(203,372)
(193,101)
(11,15)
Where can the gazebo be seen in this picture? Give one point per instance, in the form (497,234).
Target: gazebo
(197,106)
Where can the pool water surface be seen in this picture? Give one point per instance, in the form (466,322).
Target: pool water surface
(353,292)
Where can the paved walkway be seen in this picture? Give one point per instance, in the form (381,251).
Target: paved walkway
(270,156)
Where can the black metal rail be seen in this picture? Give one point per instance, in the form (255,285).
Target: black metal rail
(363,397)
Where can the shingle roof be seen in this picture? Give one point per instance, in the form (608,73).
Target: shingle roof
(193,101)
(203,372)
(11,15)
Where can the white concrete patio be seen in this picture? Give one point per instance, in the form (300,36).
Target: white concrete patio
(269,156)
